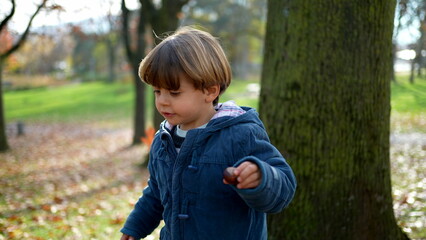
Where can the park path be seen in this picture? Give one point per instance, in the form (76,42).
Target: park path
(413,138)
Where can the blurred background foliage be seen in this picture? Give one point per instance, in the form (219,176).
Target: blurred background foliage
(80,50)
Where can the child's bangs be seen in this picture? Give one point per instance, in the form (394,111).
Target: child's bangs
(164,69)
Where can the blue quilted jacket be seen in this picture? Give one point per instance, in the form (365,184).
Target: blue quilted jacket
(186,189)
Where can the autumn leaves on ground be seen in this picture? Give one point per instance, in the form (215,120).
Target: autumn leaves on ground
(68,181)
(79,181)
(78,177)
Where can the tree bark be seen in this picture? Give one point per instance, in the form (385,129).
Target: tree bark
(325,101)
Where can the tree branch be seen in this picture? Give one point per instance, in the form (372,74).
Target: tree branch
(125,29)
(23,37)
(8,17)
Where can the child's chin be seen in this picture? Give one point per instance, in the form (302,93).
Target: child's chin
(173,123)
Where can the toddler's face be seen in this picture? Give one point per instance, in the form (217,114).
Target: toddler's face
(187,107)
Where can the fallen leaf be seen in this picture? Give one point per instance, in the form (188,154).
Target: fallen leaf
(117,220)
(149,137)
(46,207)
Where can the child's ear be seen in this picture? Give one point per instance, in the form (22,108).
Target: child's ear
(212,93)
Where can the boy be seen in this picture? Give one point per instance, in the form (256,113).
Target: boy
(197,141)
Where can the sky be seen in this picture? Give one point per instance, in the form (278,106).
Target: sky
(74,11)
(407,36)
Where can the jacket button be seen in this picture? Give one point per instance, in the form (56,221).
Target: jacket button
(183,216)
(192,167)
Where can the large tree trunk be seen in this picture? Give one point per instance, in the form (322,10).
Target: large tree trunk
(325,101)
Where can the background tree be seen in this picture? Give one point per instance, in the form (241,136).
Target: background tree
(153,17)
(83,61)
(96,54)
(325,101)
(4,55)
(419,46)
(107,30)
(40,46)
(241,37)
(411,14)
(111,39)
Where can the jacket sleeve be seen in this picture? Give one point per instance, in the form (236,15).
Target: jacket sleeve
(147,213)
(278,183)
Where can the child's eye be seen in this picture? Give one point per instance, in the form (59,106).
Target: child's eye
(173,93)
(156,91)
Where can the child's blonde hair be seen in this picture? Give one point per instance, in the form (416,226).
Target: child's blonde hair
(189,53)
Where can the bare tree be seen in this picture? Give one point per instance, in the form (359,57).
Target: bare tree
(408,14)
(153,16)
(4,55)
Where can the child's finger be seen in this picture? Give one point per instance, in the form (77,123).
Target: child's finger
(126,237)
(241,168)
(248,184)
(253,180)
(246,169)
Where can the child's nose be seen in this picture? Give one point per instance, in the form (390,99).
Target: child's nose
(162,99)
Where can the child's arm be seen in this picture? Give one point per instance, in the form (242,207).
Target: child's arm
(276,187)
(147,213)
(277,184)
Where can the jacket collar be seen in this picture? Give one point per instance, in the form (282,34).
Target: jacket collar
(226,109)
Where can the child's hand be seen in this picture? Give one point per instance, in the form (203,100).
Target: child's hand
(248,175)
(127,237)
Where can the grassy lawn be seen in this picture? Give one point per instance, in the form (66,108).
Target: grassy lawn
(70,102)
(73,175)
(408,105)
(95,100)
(409,98)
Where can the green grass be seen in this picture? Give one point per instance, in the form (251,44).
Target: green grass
(408,98)
(408,102)
(88,101)
(71,102)
(238,92)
